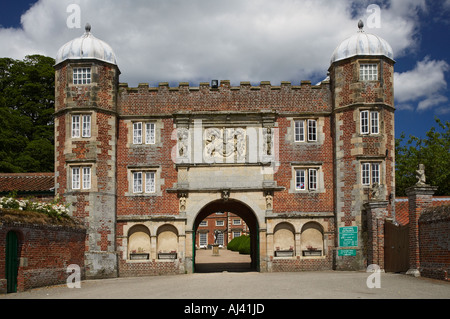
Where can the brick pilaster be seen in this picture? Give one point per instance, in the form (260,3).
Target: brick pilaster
(376,211)
(420,197)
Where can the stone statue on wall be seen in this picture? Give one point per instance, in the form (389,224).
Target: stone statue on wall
(269,201)
(182,198)
(376,192)
(183,136)
(420,175)
(267,147)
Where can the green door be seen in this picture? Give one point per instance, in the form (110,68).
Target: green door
(12,244)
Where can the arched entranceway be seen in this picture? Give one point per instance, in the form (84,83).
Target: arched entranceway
(243,211)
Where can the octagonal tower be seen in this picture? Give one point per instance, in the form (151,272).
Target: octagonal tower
(86,83)
(361,77)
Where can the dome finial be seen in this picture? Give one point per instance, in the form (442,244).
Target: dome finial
(360,25)
(87,28)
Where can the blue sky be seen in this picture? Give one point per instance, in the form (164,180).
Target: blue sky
(248,40)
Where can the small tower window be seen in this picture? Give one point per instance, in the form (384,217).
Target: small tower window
(369,121)
(81,124)
(82,76)
(368,72)
(81,177)
(370,173)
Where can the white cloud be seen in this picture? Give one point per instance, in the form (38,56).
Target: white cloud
(197,40)
(424,84)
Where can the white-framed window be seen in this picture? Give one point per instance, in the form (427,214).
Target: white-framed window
(82,76)
(220,223)
(299,131)
(86,177)
(364,122)
(144,133)
(374,126)
(81,177)
(312,130)
(75,125)
(368,72)
(81,123)
(203,239)
(236,221)
(86,132)
(305,130)
(220,238)
(306,179)
(144,182)
(312,178)
(203,223)
(369,122)
(149,133)
(150,182)
(236,233)
(75,178)
(137,182)
(370,173)
(137,133)
(300,182)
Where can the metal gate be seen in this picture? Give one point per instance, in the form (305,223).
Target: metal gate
(396,247)
(12,264)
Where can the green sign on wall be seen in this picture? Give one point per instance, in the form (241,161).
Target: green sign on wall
(347,252)
(348,236)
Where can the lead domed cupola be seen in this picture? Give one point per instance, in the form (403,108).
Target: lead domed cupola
(364,44)
(86,47)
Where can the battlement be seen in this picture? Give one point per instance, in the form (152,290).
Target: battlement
(224,85)
(284,98)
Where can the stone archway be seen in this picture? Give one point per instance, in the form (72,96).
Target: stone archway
(243,211)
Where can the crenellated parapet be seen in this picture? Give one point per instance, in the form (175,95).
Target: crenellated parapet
(283,98)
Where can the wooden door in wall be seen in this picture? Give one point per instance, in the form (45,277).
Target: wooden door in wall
(12,264)
(396,247)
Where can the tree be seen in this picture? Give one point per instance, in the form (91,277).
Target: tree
(27,91)
(432,151)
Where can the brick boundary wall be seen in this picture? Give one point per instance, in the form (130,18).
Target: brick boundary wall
(150,268)
(434,242)
(302,264)
(45,252)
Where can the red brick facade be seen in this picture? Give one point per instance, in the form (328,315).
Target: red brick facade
(286,158)
(45,253)
(434,226)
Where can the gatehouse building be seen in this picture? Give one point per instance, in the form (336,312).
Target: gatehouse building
(308,168)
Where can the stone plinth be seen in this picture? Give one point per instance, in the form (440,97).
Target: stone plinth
(215,249)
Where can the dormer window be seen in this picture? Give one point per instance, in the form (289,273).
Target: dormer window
(82,76)
(368,72)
